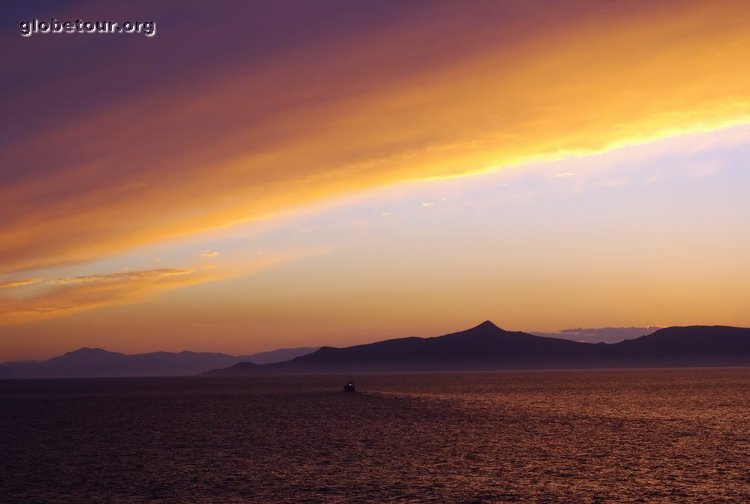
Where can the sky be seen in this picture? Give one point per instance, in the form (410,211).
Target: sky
(259,175)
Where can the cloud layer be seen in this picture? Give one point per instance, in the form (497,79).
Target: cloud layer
(307,101)
(69,295)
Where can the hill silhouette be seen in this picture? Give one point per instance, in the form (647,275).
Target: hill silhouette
(488,347)
(96,362)
(686,346)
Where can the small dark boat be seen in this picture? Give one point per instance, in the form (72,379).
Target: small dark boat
(349,387)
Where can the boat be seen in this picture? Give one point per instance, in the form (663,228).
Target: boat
(349,387)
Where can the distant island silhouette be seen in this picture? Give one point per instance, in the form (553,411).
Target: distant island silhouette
(96,362)
(487,347)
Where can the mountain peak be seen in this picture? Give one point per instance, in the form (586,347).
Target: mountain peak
(87,351)
(86,355)
(487,324)
(90,350)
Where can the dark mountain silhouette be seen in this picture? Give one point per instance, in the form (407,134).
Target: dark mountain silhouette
(280,355)
(487,347)
(95,362)
(686,346)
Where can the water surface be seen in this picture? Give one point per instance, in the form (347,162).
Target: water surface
(574,436)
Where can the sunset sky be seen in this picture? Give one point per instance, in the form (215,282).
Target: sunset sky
(260,175)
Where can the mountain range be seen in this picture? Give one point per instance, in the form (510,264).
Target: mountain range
(484,347)
(487,347)
(96,362)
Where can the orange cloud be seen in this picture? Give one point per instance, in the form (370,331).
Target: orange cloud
(71,295)
(10,284)
(454,91)
(129,276)
(65,296)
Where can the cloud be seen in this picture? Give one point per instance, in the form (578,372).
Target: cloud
(209,253)
(602,334)
(164,151)
(64,296)
(10,284)
(131,276)
(69,295)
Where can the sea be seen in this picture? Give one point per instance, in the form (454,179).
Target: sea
(669,435)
